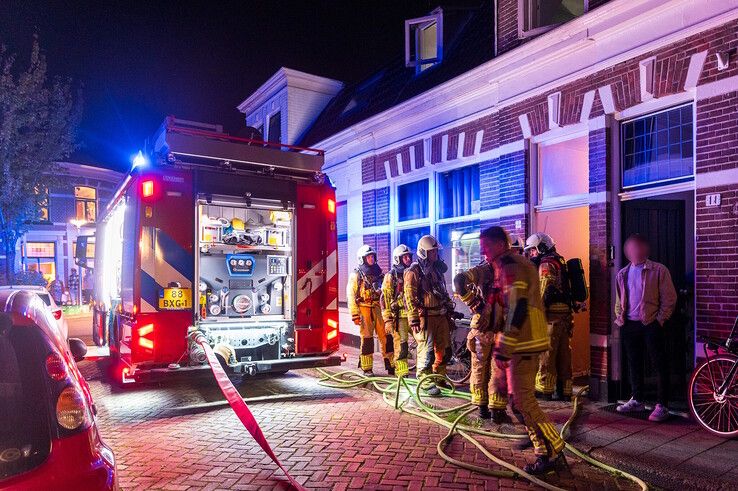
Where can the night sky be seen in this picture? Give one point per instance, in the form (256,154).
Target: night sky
(139,61)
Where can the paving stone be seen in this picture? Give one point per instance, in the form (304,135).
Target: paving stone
(337,439)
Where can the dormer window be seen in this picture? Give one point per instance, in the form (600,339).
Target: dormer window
(538,16)
(424,41)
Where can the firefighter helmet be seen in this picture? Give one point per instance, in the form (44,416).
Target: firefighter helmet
(400,251)
(516,242)
(539,241)
(425,244)
(363,252)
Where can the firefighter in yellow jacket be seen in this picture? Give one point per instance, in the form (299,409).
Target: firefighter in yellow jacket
(428,307)
(362,292)
(393,308)
(479,288)
(555,370)
(523,338)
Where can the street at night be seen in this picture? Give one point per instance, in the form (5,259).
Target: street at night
(372,245)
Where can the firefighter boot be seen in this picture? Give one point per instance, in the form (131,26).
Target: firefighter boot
(545,464)
(500,416)
(388,366)
(484,412)
(561,392)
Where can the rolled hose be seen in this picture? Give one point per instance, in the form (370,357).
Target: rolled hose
(390,389)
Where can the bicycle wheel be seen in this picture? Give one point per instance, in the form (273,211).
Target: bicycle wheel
(412,353)
(716,413)
(458,369)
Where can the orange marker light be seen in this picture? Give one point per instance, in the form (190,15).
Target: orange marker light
(331,206)
(147,189)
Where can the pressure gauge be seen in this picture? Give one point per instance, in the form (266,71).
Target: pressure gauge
(264,298)
(215,309)
(214,298)
(266,308)
(241,303)
(203,286)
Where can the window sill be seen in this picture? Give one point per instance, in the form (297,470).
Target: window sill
(536,32)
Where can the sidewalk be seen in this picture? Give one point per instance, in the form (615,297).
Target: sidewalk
(676,454)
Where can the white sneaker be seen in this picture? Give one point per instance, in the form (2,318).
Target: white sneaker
(660,413)
(632,406)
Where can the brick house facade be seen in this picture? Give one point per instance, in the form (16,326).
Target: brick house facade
(81,194)
(556,123)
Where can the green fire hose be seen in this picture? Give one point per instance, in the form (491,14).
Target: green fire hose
(391,388)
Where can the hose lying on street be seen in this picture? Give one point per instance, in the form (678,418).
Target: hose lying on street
(391,388)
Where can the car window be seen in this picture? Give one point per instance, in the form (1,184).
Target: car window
(45,297)
(24,433)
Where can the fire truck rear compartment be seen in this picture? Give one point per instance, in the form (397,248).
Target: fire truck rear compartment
(245,286)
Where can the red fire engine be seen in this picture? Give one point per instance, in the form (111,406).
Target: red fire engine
(231,237)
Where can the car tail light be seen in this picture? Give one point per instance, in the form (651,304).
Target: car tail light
(71,410)
(57,314)
(56,367)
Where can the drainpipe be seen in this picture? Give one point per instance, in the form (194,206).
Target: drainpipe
(495,26)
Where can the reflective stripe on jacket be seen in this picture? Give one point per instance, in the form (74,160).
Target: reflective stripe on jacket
(519,280)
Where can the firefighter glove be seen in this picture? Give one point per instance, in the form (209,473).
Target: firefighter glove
(356,319)
(415,325)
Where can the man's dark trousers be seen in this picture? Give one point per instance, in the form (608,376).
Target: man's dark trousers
(636,337)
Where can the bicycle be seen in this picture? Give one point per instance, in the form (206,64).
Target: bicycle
(458,369)
(713,388)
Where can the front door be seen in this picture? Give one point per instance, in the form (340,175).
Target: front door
(662,222)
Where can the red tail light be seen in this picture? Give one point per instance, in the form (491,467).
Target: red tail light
(332,329)
(56,367)
(147,189)
(331,206)
(143,341)
(57,314)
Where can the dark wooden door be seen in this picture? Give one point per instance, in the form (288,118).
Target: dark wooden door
(662,222)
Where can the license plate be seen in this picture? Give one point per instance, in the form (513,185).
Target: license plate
(175,299)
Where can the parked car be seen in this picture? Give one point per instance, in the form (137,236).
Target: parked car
(48,436)
(55,309)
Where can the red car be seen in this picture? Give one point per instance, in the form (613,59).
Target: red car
(48,436)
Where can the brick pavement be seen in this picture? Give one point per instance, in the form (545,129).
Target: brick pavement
(335,439)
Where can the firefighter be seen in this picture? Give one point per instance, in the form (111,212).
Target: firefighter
(362,292)
(555,370)
(428,304)
(518,346)
(393,308)
(479,288)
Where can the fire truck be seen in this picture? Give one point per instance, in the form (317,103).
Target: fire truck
(234,238)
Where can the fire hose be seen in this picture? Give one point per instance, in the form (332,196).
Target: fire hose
(390,388)
(239,406)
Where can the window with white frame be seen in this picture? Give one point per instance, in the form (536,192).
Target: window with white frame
(85,198)
(537,16)
(275,128)
(458,192)
(411,236)
(412,201)
(424,41)
(658,147)
(563,171)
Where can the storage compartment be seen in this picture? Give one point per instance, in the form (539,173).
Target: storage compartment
(245,263)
